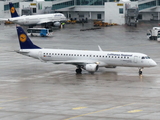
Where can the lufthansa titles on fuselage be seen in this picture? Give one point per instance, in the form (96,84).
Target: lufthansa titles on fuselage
(120,55)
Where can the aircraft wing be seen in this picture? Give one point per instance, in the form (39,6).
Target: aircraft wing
(44,21)
(76,62)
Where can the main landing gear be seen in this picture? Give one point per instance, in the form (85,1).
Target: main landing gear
(140,71)
(78,70)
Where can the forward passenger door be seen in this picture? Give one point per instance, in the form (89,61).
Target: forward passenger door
(135,59)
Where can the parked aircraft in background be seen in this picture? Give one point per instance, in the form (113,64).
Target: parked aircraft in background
(87,60)
(46,20)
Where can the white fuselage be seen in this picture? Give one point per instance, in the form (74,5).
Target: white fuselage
(102,58)
(38,19)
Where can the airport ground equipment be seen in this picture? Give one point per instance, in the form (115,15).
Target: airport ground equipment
(43,32)
(103,24)
(8,22)
(132,16)
(154,34)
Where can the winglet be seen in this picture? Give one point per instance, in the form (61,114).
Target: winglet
(24,41)
(100,49)
(13,10)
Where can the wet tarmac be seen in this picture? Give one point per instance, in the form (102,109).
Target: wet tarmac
(33,90)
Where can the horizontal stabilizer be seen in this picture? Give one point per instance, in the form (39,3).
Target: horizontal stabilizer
(20,51)
(3,19)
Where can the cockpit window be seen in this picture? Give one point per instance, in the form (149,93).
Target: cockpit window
(148,57)
(145,57)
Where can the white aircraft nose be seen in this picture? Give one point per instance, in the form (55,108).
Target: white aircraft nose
(153,63)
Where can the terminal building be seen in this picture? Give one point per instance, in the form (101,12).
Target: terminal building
(112,11)
(149,9)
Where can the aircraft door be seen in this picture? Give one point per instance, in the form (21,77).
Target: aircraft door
(135,59)
(40,56)
(24,21)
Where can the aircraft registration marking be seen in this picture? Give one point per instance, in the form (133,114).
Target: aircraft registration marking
(134,111)
(77,108)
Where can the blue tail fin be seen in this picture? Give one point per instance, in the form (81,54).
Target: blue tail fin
(13,10)
(24,41)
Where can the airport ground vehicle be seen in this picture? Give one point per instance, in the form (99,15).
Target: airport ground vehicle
(43,32)
(154,34)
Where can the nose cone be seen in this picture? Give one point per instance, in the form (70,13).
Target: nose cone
(65,19)
(153,63)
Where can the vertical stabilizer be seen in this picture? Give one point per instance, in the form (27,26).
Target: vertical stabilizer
(24,41)
(13,10)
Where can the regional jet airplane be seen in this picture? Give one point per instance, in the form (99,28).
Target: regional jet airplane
(54,19)
(87,60)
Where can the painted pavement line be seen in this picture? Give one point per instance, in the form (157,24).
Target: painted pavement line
(98,111)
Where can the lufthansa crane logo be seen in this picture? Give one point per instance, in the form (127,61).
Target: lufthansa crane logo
(12,10)
(22,37)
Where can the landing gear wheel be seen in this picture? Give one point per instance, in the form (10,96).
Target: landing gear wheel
(78,71)
(140,71)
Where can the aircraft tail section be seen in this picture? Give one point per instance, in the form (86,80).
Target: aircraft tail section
(13,10)
(24,41)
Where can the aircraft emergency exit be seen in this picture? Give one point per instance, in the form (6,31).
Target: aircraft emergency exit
(87,60)
(53,19)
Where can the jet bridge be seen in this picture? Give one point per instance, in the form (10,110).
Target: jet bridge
(132,16)
(27,11)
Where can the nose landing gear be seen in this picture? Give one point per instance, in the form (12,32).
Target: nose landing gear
(140,71)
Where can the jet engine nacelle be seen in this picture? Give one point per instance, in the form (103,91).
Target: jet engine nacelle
(91,67)
(57,24)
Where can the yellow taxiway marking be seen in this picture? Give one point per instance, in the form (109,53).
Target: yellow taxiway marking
(13,100)
(134,111)
(98,111)
(0,107)
(77,108)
